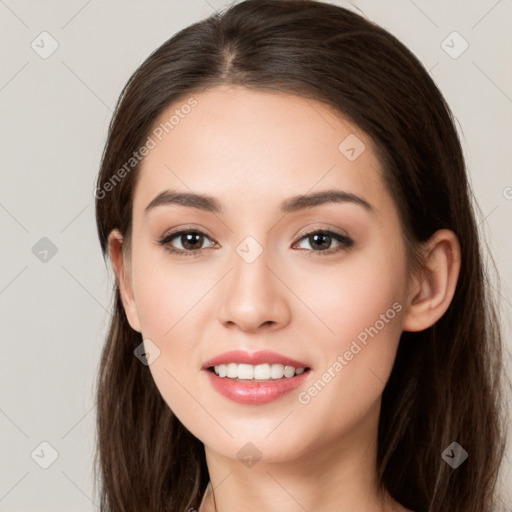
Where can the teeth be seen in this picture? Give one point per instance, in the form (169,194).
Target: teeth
(257,372)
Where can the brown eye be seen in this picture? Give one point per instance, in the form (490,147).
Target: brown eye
(192,242)
(321,241)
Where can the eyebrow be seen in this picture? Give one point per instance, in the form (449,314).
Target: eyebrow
(293,204)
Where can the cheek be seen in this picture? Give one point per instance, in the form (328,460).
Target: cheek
(169,307)
(363,309)
(174,309)
(163,292)
(356,295)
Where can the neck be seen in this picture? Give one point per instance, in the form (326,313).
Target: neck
(335,475)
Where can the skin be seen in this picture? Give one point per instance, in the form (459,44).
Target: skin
(252,150)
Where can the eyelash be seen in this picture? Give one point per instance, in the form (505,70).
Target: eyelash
(345,242)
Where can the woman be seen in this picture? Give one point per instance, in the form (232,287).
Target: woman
(301,319)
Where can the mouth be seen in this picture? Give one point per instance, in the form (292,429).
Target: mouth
(255,378)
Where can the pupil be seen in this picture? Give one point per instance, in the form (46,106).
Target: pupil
(325,237)
(188,241)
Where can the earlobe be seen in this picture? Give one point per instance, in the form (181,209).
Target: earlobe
(123,281)
(433,288)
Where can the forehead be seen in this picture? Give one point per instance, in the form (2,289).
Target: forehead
(242,146)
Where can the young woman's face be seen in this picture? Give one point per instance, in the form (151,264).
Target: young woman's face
(268,277)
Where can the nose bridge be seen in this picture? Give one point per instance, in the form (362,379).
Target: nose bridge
(253,296)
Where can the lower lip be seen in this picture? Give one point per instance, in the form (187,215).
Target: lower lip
(255,392)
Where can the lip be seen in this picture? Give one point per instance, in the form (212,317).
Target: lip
(255,392)
(254,358)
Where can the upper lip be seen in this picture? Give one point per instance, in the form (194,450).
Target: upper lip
(254,358)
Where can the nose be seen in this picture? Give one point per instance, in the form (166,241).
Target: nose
(254,297)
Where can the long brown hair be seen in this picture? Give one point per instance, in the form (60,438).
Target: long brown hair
(446,383)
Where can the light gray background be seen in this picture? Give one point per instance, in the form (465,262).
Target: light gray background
(54,114)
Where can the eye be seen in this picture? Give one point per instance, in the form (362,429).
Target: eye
(323,239)
(191,241)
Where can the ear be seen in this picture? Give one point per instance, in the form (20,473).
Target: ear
(432,290)
(123,277)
